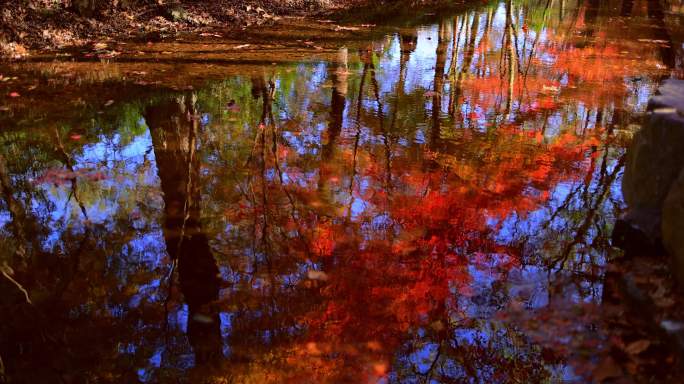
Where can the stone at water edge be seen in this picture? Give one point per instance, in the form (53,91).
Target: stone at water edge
(654,160)
(671,102)
(670,95)
(673,226)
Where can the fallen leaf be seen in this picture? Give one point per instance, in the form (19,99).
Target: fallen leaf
(317,275)
(637,347)
(342,28)
(109,55)
(108,103)
(14,94)
(75,136)
(665,302)
(654,41)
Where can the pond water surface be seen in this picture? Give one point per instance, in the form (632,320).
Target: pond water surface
(429,201)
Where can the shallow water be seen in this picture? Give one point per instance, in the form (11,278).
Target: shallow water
(424,202)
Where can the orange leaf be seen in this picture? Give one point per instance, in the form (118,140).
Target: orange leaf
(637,347)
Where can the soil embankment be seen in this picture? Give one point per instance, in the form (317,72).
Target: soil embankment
(28,25)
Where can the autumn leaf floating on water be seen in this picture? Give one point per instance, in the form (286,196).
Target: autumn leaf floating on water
(317,275)
(61,176)
(101,50)
(637,347)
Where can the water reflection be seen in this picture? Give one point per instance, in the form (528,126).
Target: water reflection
(174,127)
(361,219)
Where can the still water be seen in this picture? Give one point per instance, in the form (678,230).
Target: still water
(427,201)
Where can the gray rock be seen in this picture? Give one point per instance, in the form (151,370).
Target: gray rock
(655,159)
(673,226)
(670,95)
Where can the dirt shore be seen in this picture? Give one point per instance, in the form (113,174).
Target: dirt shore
(28,26)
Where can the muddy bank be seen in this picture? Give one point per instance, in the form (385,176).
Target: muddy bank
(35,25)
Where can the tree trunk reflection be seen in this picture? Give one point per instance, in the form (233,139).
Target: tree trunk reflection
(174,126)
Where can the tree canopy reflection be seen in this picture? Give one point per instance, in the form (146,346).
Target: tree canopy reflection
(356,220)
